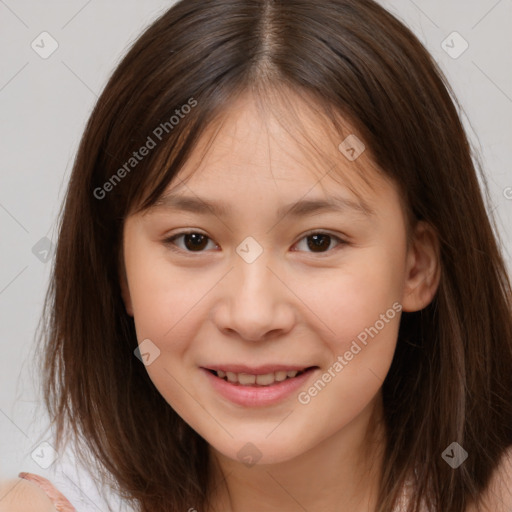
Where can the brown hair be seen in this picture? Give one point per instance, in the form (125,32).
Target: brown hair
(450,379)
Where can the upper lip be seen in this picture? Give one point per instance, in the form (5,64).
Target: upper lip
(256,370)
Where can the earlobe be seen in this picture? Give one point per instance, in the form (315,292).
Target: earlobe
(423,271)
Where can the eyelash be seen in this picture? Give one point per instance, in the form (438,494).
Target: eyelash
(169,242)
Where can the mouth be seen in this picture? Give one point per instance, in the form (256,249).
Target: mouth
(256,378)
(264,386)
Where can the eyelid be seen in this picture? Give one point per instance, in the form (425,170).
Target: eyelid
(169,241)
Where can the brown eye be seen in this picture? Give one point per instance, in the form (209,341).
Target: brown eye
(193,241)
(319,242)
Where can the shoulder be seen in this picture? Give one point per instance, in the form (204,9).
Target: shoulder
(498,495)
(20,495)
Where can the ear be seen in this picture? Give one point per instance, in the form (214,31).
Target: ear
(423,269)
(125,290)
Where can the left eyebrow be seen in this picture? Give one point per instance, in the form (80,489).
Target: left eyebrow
(299,208)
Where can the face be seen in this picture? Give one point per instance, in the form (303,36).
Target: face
(259,289)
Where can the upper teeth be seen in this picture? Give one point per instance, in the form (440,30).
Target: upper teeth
(263,380)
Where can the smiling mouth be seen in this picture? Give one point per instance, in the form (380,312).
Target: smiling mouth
(263,380)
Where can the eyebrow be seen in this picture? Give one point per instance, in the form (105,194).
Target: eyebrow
(299,208)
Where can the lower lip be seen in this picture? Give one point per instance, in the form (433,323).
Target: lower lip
(257,396)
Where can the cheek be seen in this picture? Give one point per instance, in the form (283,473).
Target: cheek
(160,295)
(354,297)
(170,305)
(162,299)
(359,309)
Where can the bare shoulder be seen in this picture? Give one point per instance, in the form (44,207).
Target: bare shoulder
(20,495)
(498,495)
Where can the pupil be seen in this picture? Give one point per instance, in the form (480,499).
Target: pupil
(195,238)
(318,244)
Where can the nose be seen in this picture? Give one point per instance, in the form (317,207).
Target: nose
(255,304)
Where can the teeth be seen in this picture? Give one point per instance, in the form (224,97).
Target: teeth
(246,379)
(263,380)
(281,375)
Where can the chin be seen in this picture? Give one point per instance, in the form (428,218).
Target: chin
(257,450)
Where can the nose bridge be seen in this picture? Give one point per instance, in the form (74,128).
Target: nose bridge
(252,259)
(256,299)
(252,281)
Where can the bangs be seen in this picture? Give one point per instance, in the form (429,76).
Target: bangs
(310,124)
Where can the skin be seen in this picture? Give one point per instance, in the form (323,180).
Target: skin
(19,495)
(292,305)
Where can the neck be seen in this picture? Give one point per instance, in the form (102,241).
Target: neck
(341,473)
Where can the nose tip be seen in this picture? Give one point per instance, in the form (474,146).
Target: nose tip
(252,302)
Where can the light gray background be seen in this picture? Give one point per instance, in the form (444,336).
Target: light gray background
(45,103)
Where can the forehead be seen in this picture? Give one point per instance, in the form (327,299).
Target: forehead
(282,146)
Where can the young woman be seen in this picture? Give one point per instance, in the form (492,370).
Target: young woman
(276,285)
